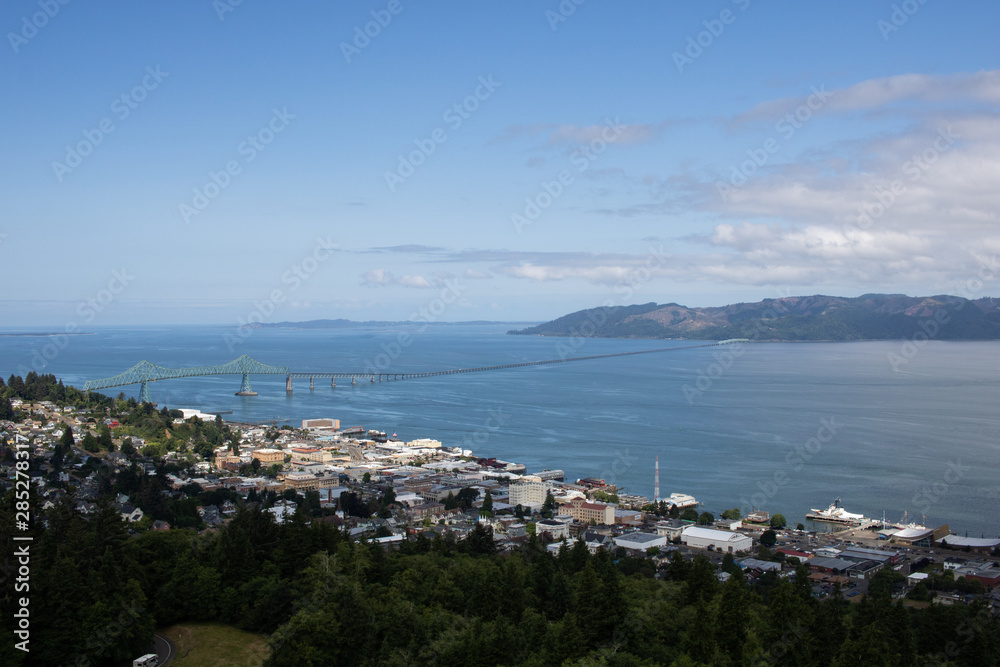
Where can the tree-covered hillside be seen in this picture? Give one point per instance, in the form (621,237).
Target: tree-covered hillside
(868,317)
(97,593)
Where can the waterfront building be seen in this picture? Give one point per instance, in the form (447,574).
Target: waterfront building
(975,544)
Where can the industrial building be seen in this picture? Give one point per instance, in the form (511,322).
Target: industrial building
(641,541)
(974,544)
(720,540)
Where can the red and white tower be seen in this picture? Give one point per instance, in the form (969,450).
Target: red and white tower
(656,482)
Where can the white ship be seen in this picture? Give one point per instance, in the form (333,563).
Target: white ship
(836,514)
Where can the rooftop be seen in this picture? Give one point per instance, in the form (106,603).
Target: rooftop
(641,538)
(976,542)
(712,533)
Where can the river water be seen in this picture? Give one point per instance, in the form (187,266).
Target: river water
(782,426)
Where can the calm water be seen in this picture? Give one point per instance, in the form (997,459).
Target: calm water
(922,439)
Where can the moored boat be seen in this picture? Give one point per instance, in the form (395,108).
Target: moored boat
(836,514)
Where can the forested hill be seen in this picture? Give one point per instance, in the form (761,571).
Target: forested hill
(868,317)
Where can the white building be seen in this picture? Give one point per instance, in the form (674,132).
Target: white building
(282,511)
(191,412)
(424,443)
(680,500)
(670,528)
(530,491)
(720,540)
(554,528)
(726,524)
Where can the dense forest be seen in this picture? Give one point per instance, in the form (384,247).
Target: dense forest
(35,387)
(97,593)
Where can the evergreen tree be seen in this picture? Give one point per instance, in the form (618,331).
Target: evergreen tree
(6,409)
(701,580)
(90,443)
(733,618)
(549,506)
(104,438)
(480,540)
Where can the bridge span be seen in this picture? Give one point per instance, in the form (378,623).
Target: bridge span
(145,372)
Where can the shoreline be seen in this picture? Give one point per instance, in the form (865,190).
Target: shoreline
(846,532)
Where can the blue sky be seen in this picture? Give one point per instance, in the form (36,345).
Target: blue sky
(204,162)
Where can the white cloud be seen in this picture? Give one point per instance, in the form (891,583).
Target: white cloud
(628,133)
(472,274)
(377,278)
(603,274)
(913,182)
(564,134)
(414,281)
(983,86)
(384,278)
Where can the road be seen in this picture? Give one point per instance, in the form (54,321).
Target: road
(166,650)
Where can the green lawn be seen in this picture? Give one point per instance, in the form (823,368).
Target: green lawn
(216,645)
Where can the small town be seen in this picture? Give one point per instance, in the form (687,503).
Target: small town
(376,488)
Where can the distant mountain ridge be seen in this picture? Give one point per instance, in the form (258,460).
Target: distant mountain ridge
(802,318)
(352,324)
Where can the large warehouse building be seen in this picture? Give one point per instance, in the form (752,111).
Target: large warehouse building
(720,540)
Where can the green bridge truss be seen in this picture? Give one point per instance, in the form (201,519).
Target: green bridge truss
(144,372)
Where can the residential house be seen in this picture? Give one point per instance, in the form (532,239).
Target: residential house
(130,513)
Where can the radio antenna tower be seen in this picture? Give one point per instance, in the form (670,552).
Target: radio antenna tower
(656,482)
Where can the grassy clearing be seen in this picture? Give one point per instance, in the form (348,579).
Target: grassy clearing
(216,645)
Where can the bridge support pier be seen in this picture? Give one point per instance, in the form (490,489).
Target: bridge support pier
(245,389)
(288,384)
(144,392)
(354,380)
(333,383)
(312,384)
